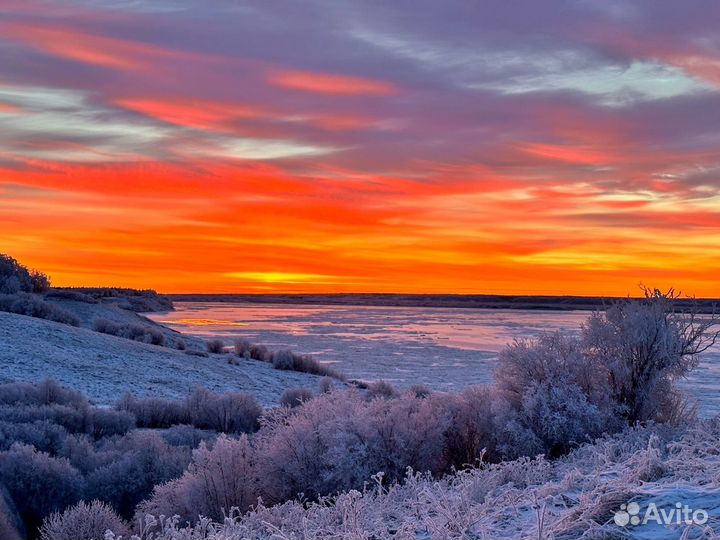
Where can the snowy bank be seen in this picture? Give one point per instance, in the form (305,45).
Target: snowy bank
(104,367)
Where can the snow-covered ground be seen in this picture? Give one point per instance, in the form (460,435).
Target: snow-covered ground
(443,348)
(104,367)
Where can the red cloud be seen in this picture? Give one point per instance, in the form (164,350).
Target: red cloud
(323,83)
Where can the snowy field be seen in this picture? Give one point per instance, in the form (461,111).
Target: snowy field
(443,348)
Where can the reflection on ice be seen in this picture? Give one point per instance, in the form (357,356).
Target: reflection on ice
(443,348)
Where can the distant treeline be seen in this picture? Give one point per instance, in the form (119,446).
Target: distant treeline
(146,300)
(475,301)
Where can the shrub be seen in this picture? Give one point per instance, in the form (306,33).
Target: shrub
(43,435)
(180,345)
(189,436)
(226,413)
(27,304)
(73,420)
(154,412)
(243,348)
(336,441)
(135,332)
(83,521)
(470,433)
(261,353)
(46,392)
(282,360)
(326,385)
(218,479)
(307,364)
(419,390)
(381,389)
(287,360)
(215,346)
(39,484)
(107,423)
(293,397)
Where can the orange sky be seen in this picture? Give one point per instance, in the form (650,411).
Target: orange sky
(199,149)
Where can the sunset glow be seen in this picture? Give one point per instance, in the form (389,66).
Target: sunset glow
(435,147)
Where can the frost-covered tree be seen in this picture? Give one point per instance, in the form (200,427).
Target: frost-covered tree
(642,347)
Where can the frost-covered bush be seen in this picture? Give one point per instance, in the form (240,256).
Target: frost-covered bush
(472,429)
(135,332)
(72,419)
(33,306)
(294,397)
(552,419)
(189,436)
(218,479)
(44,393)
(381,389)
(285,359)
(326,385)
(151,412)
(38,483)
(282,359)
(42,434)
(215,346)
(337,441)
(243,348)
(260,352)
(143,460)
(84,521)
(102,423)
(419,390)
(44,414)
(622,369)
(227,413)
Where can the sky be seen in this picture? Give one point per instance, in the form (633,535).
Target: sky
(524,147)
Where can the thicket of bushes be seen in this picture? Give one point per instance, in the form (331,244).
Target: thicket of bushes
(34,306)
(56,449)
(232,412)
(552,395)
(136,332)
(285,359)
(141,301)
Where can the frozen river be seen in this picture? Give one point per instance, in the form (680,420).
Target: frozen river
(443,348)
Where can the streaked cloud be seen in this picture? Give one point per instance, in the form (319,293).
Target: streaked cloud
(323,83)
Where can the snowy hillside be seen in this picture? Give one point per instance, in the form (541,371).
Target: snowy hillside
(104,367)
